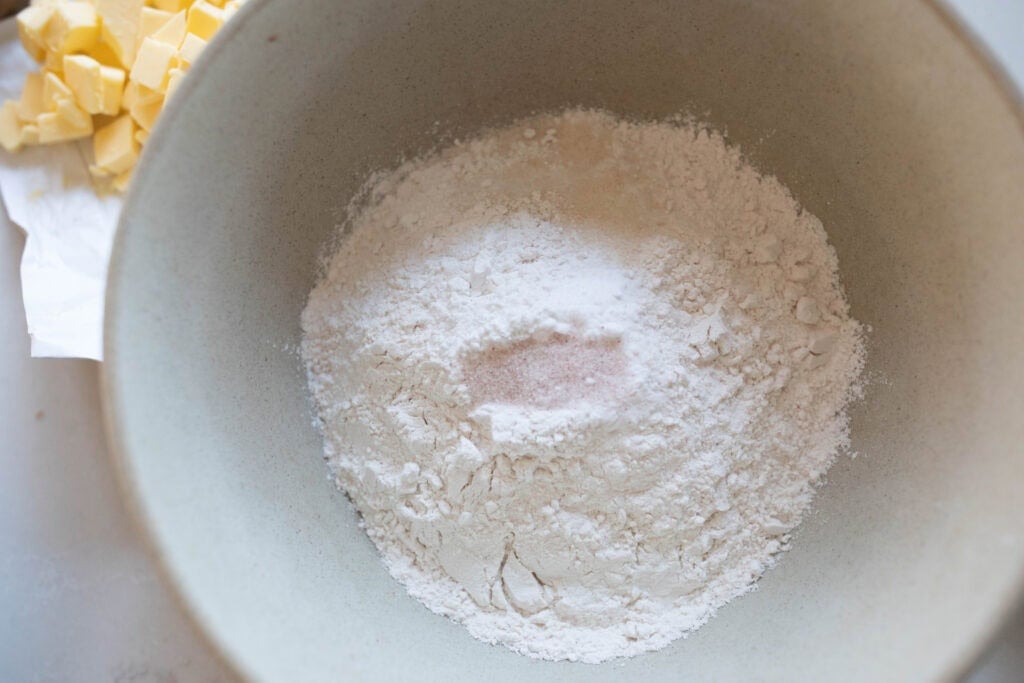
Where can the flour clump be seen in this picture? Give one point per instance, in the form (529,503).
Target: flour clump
(579,377)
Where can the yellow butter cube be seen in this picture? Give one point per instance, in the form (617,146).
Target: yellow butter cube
(82,75)
(173,80)
(115,147)
(97,88)
(104,54)
(146,113)
(173,32)
(31,104)
(231,7)
(34,51)
(138,94)
(151,20)
(14,133)
(29,134)
(74,26)
(130,95)
(204,19)
(54,62)
(172,5)
(122,181)
(113,89)
(191,46)
(141,136)
(54,91)
(74,115)
(120,27)
(32,22)
(10,127)
(55,127)
(152,63)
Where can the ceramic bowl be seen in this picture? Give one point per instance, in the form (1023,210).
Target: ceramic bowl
(880,116)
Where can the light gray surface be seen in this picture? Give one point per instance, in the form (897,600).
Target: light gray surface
(79,599)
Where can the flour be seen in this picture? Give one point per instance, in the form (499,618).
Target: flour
(580,377)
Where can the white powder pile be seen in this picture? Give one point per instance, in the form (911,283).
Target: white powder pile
(580,377)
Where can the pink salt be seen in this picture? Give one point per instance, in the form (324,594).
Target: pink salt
(554,373)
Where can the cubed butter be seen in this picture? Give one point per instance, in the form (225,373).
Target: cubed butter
(29,134)
(31,104)
(55,91)
(111,58)
(173,80)
(74,26)
(204,19)
(191,46)
(113,89)
(152,63)
(10,126)
(97,88)
(122,181)
(151,20)
(32,22)
(115,147)
(136,94)
(53,127)
(75,116)
(146,113)
(231,7)
(173,32)
(130,95)
(172,5)
(54,61)
(82,75)
(120,27)
(104,54)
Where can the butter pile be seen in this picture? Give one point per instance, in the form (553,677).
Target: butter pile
(108,68)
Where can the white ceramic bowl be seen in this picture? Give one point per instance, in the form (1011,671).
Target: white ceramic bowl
(881,118)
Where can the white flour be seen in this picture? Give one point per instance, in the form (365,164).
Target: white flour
(580,377)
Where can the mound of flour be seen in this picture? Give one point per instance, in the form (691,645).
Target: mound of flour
(580,376)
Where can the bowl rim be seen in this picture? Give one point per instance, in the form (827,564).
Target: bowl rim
(980,52)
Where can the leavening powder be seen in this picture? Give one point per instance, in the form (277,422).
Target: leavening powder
(580,377)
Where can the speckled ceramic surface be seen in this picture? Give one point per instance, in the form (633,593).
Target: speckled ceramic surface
(874,113)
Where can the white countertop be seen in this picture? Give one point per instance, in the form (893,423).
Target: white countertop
(80,599)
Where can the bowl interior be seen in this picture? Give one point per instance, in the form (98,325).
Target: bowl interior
(879,119)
